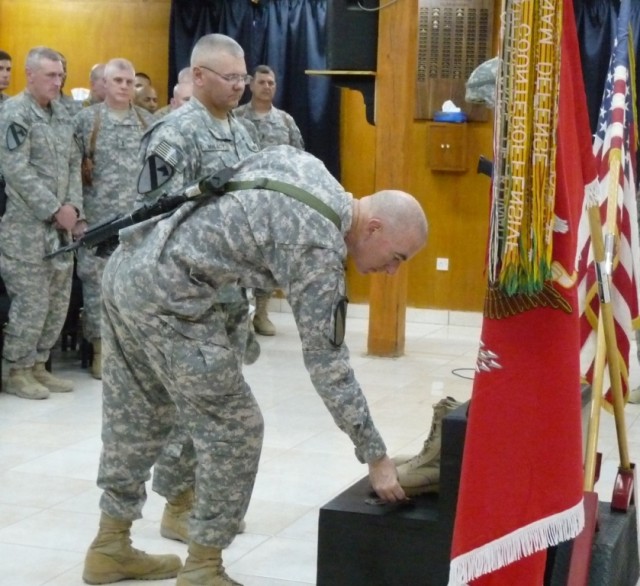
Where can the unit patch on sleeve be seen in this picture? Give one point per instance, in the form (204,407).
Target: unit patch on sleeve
(16,135)
(155,173)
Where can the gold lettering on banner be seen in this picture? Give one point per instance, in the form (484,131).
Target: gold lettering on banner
(525,193)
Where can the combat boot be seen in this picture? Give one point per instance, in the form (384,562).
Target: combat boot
(175,518)
(261,322)
(111,558)
(53,383)
(421,473)
(96,360)
(204,567)
(20,382)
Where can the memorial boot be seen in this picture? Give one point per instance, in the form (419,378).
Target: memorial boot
(21,383)
(111,558)
(175,518)
(204,567)
(421,474)
(96,361)
(53,383)
(261,322)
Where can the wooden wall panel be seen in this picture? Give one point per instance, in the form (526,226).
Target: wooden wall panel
(88,32)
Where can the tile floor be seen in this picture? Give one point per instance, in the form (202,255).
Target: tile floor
(49,453)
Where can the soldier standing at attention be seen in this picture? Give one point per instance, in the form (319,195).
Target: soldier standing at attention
(269,126)
(41,165)
(109,135)
(195,140)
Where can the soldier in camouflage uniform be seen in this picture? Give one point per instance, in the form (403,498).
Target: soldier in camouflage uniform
(269,126)
(171,340)
(109,134)
(41,164)
(195,140)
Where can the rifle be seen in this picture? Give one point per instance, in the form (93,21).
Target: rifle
(105,233)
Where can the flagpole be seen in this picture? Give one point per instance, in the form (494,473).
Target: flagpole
(606,312)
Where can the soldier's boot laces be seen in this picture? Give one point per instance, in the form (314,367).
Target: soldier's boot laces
(21,382)
(53,383)
(96,361)
(204,566)
(421,473)
(111,558)
(261,322)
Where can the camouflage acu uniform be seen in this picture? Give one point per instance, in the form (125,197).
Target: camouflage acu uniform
(184,146)
(71,105)
(275,128)
(112,192)
(41,164)
(172,342)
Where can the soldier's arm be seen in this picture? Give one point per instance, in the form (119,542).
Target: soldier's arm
(295,136)
(21,176)
(317,297)
(163,162)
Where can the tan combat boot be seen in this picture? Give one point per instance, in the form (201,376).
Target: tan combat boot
(261,322)
(175,518)
(204,566)
(421,474)
(53,383)
(111,558)
(20,382)
(96,361)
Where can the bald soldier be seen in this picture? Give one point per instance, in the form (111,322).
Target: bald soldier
(286,223)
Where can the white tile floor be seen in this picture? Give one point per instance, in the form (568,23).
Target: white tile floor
(49,453)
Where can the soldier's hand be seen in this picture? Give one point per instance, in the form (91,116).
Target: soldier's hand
(384,480)
(66,217)
(79,229)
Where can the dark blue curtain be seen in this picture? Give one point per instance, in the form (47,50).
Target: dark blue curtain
(596,23)
(287,35)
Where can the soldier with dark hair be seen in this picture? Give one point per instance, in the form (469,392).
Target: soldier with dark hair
(269,126)
(5,75)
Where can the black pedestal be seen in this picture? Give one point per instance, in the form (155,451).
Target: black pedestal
(362,544)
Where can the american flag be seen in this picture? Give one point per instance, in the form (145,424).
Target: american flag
(614,147)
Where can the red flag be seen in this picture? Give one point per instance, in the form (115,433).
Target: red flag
(614,147)
(521,483)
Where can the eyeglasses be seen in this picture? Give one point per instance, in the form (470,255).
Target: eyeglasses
(232,78)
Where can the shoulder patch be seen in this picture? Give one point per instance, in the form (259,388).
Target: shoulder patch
(155,173)
(16,135)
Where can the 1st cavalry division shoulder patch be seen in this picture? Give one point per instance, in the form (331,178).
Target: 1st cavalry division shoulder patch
(16,135)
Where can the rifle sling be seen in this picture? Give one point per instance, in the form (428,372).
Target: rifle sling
(290,190)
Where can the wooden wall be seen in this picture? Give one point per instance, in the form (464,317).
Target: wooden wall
(89,32)
(457,206)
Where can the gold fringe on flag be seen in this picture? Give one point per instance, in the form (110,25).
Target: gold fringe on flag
(526,121)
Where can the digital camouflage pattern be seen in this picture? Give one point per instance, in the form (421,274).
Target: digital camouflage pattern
(113,188)
(186,145)
(275,128)
(41,165)
(183,147)
(162,289)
